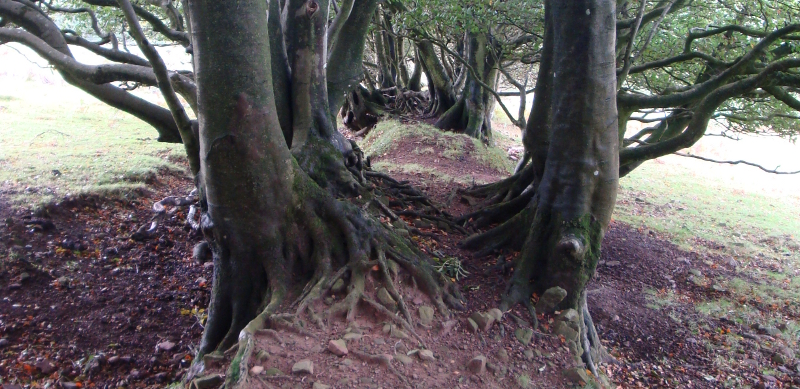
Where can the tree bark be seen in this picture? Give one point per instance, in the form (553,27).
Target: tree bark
(472,113)
(577,176)
(275,233)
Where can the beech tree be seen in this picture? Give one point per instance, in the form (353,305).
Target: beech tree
(271,169)
(681,66)
(574,123)
(464,50)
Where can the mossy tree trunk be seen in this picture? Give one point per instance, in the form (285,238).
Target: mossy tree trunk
(569,189)
(279,237)
(472,113)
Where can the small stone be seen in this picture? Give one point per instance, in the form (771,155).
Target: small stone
(524,335)
(577,375)
(502,355)
(24,277)
(3,343)
(261,355)
(273,371)
(386,299)
(113,360)
(208,265)
(565,330)
(419,223)
(256,370)
(304,366)
(45,367)
(338,286)
(320,385)
(165,346)
(208,382)
(14,286)
(213,360)
(397,333)
(491,367)
(161,377)
(404,359)
(63,281)
(779,359)
(524,381)
(496,314)
(352,336)
(448,326)
(347,362)
(426,355)
(337,347)
(483,320)
(426,315)
(67,385)
(695,272)
(550,299)
(472,326)
(528,354)
(477,365)
(612,263)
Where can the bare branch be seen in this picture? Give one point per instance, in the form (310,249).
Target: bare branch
(629,48)
(92,15)
(701,90)
(772,171)
(698,33)
(153,20)
(165,86)
(342,14)
(98,74)
(110,54)
(676,59)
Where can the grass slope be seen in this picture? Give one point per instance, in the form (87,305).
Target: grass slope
(57,140)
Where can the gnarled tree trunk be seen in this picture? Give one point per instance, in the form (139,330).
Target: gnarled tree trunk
(568,190)
(277,233)
(472,113)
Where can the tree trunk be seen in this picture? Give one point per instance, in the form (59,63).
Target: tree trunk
(557,206)
(472,113)
(577,192)
(440,85)
(277,236)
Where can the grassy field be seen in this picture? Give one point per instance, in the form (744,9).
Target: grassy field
(56,140)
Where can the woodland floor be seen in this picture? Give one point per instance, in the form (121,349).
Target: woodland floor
(83,305)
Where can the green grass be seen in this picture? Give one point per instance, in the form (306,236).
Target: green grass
(709,214)
(685,206)
(56,140)
(385,136)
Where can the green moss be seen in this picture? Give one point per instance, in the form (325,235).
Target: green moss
(385,136)
(570,273)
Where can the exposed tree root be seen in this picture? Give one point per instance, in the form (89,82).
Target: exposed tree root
(326,240)
(509,235)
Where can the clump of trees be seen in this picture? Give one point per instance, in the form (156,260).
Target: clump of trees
(287,204)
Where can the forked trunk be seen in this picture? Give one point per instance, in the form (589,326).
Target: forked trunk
(472,113)
(278,238)
(575,197)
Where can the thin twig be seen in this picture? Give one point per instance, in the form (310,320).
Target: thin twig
(773,171)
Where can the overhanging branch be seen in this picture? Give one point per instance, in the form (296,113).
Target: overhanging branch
(738,162)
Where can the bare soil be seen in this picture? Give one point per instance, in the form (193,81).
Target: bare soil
(83,305)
